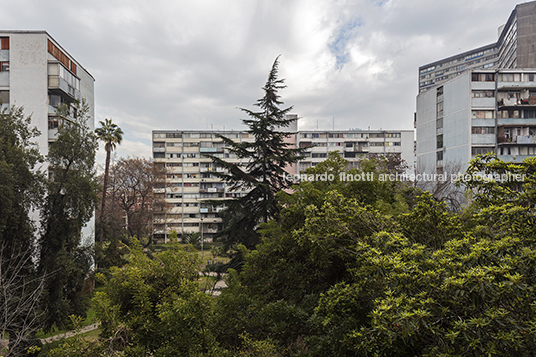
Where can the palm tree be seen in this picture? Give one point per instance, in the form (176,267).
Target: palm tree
(111,135)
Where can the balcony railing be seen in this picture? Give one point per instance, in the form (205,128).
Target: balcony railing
(519,139)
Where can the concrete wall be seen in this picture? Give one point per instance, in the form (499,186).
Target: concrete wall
(426,132)
(526,35)
(29,80)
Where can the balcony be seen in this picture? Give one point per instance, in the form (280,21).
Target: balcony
(517,102)
(58,85)
(517,121)
(519,139)
(513,158)
(515,85)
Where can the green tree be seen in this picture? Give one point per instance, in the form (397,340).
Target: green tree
(69,205)
(21,191)
(278,288)
(111,135)
(264,161)
(155,305)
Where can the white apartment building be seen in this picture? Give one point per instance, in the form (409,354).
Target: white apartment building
(355,144)
(476,113)
(37,73)
(480,101)
(514,49)
(190,179)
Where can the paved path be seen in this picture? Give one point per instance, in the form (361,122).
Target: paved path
(70,333)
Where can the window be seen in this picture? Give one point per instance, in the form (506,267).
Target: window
(4,96)
(376,135)
(482,114)
(53,123)
(159,144)
(174,135)
(505,114)
(482,130)
(319,155)
(439,143)
(481,150)
(529,113)
(483,77)
(4,43)
(439,109)
(482,94)
(4,66)
(510,77)
(159,155)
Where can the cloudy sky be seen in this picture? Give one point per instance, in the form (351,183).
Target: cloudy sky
(166,64)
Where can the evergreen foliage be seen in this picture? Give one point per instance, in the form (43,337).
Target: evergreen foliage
(69,205)
(262,170)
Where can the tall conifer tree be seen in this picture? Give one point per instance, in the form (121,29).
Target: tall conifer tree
(263,164)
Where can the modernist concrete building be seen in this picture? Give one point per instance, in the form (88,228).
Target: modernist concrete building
(190,178)
(37,73)
(355,144)
(480,101)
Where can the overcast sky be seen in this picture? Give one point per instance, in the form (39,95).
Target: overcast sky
(166,64)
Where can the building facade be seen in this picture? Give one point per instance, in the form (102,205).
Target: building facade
(354,145)
(514,49)
(190,178)
(37,73)
(480,101)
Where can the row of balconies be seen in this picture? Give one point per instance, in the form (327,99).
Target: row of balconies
(519,139)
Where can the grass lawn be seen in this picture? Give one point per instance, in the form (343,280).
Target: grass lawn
(90,319)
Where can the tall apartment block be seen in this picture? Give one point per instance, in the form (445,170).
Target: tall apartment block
(37,73)
(355,144)
(190,176)
(480,101)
